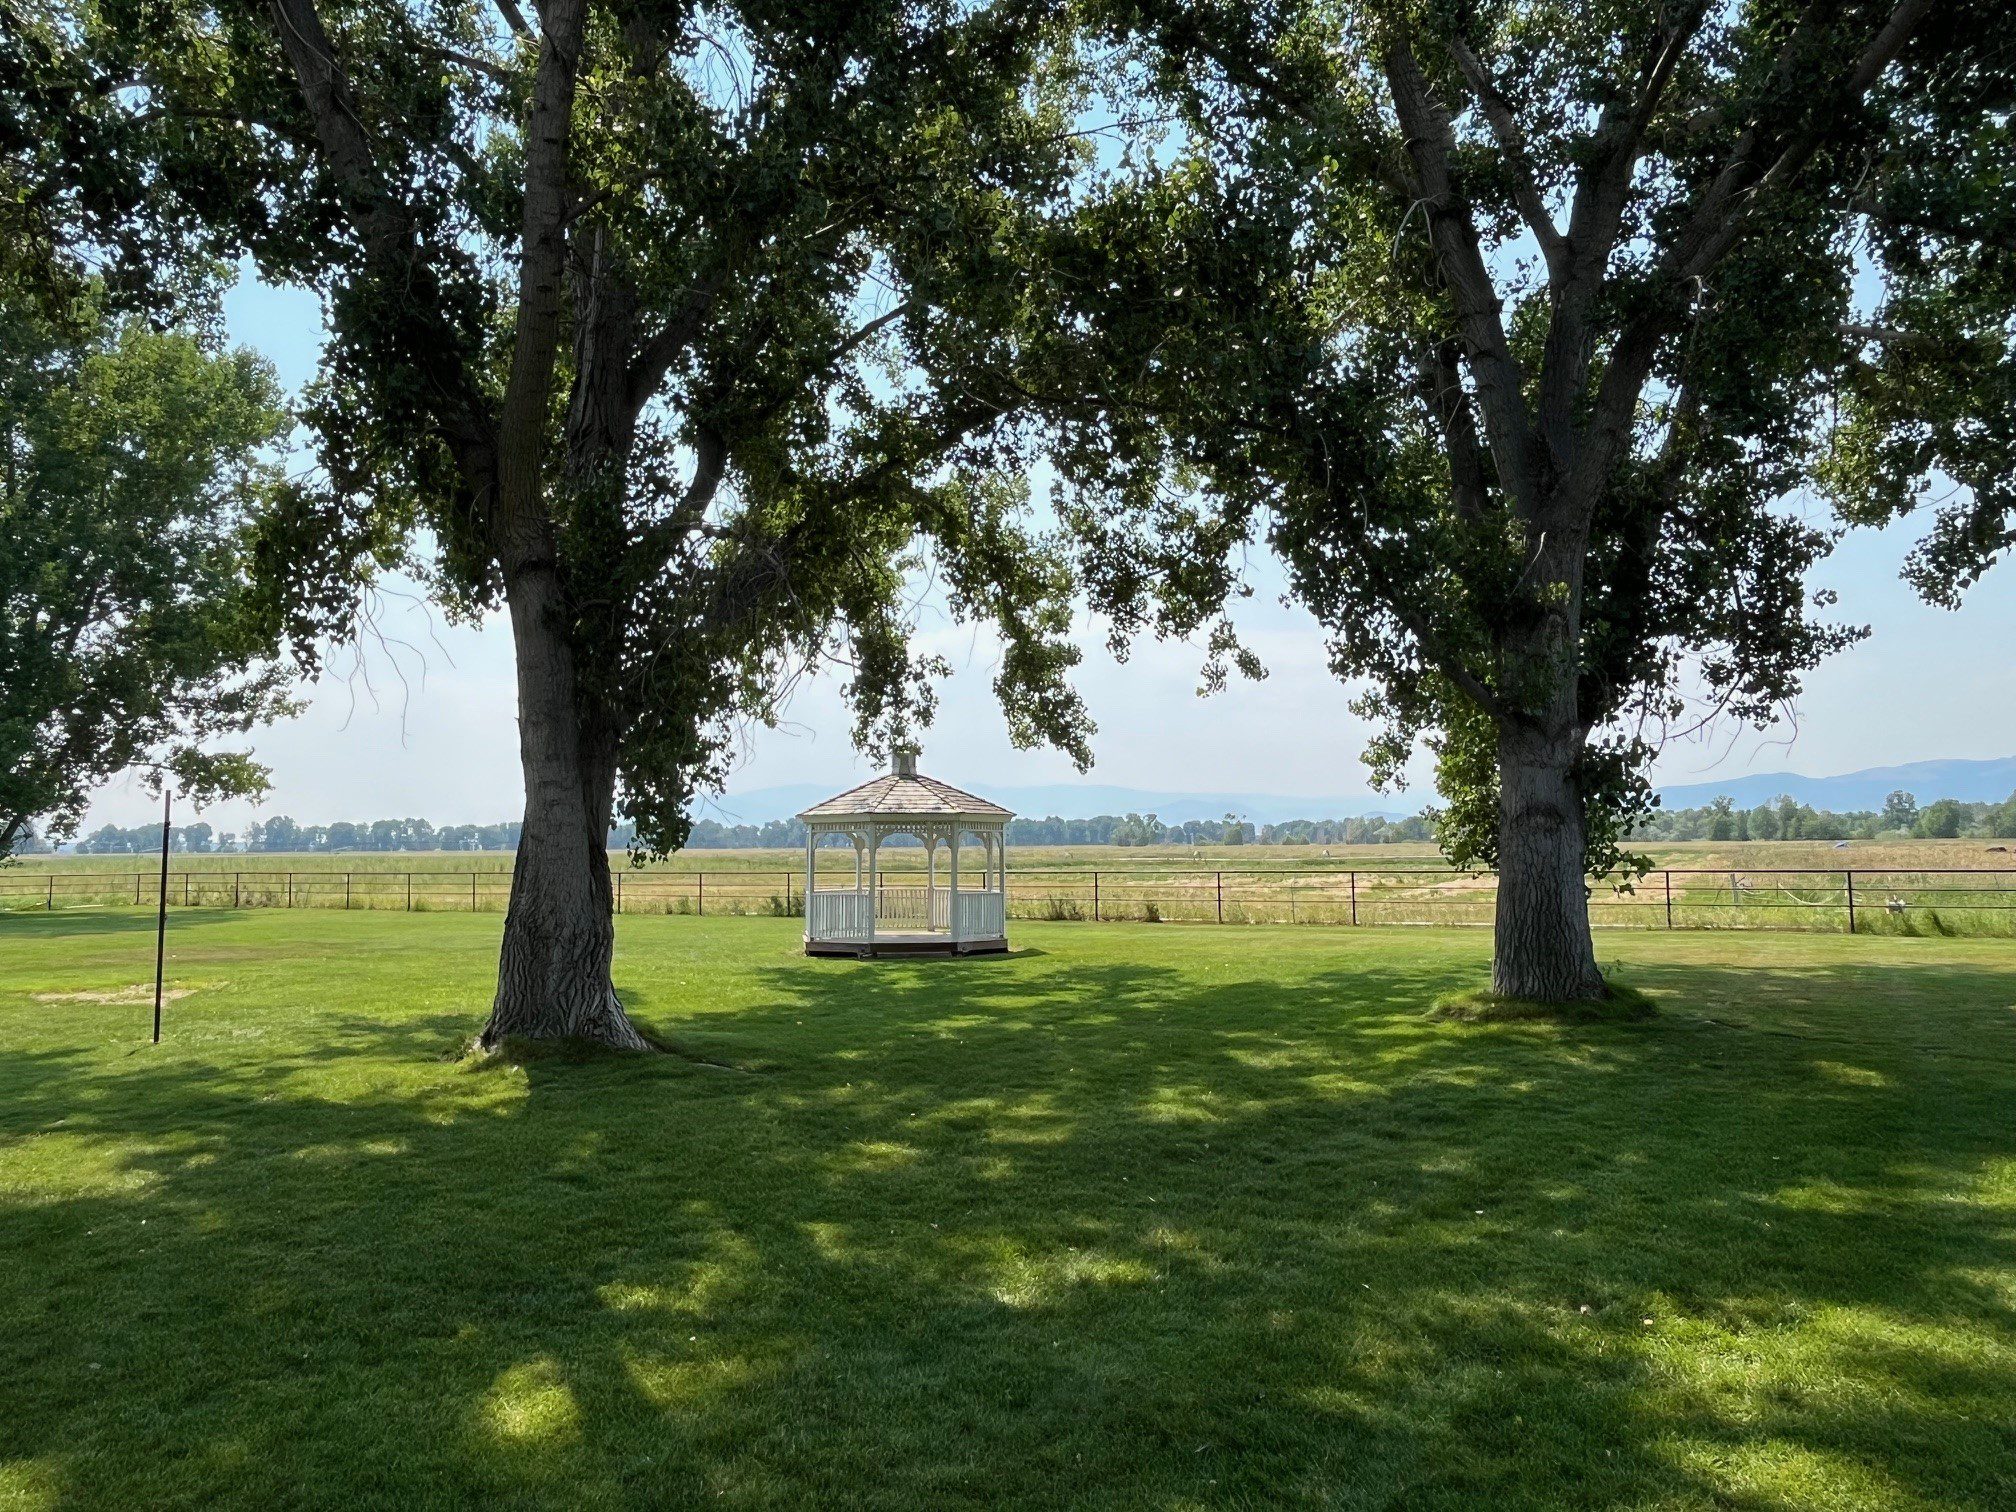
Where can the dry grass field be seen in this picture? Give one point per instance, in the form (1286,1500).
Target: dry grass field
(1935,887)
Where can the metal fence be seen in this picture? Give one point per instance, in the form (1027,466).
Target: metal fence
(1941,902)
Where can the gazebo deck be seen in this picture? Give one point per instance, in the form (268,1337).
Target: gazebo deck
(892,943)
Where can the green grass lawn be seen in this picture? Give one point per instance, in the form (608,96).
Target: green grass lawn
(1137,1217)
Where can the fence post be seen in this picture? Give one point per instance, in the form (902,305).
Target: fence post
(236,891)
(185,889)
(619,892)
(787,894)
(50,906)
(136,889)
(290,889)
(1669,898)
(1095,897)
(472,892)
(1354,897)
(1851,902)
(1221,897)
(346,892)
(701,911)
(409,892)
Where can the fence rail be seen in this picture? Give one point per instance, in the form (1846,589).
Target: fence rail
(1906,901)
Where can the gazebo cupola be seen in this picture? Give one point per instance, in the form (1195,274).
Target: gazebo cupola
(869,911)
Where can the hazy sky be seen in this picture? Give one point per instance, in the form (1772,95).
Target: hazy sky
(423,725)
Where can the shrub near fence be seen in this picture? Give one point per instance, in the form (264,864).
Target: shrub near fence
(1953,902)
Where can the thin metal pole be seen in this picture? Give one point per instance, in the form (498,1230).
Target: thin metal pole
(702,911)
(1095,897)
(619,892)
(161,913)
(346,891)
(1221,897)
(1354,897)
(50,906)
(1669,898)
(472,892)
(409,892)
(234,889)
(1851,902)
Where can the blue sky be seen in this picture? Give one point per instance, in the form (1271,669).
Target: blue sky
(423,724)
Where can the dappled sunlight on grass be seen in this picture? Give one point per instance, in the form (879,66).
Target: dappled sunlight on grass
(530,1405)
(1142,1216)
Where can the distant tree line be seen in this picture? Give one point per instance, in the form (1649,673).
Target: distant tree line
(281,834)
(1784,818)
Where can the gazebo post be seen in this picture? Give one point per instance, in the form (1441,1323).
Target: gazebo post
(874,841)
(930,882)
(811,874)
(952,889)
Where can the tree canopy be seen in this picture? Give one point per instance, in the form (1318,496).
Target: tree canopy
(137,465)
(639,330)
(1514,329)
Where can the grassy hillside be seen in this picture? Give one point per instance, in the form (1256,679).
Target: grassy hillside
(1132,1218)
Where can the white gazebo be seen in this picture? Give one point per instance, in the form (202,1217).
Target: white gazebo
(862,915)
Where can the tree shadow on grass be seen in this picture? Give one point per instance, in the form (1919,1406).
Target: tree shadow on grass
(1107,1234)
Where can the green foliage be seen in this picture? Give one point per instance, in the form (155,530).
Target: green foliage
(691,353)
(1940,820)
(138,462)
(1546,487)
(1928,390)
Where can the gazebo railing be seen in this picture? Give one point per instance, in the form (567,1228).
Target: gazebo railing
(838,915)
(899,907)
(981,916)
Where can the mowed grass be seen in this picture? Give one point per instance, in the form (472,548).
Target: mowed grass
(1135,1217)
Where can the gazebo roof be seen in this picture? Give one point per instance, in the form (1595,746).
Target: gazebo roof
(906,794)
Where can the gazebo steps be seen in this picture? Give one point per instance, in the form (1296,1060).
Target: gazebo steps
(905,945)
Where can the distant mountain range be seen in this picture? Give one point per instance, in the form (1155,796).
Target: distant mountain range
(1969,781)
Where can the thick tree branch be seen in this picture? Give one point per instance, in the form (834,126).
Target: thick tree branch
(522,529)
(389,232)
(1443,392)
(1518,161)
(666,346)
(1723,214)
(1500,382)
(484,66)
(1593,226)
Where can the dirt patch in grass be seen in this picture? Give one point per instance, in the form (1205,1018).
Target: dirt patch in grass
(140,992)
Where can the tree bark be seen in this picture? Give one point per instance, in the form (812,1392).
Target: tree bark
(553,972)
(1542,947)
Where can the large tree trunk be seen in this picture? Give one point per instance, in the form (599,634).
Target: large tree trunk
(1542,946)
(553,973)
